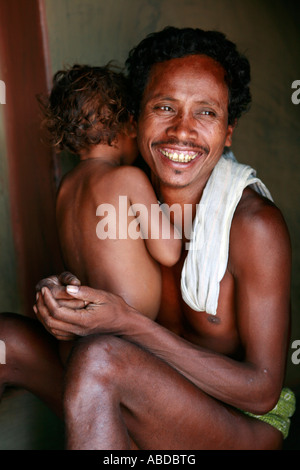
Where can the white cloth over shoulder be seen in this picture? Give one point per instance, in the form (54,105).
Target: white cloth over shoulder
(207,258)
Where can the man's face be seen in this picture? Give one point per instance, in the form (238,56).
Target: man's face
(183,124)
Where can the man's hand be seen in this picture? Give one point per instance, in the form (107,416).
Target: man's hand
(102,312)
(57,285)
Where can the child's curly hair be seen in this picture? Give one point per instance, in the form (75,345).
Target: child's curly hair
(87,106)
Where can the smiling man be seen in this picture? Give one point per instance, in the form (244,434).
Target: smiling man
(208,371)
(183,125)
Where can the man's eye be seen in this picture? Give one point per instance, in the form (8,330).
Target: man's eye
(207,112)
(163,108)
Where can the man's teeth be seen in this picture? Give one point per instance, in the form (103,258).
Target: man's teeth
(179,157)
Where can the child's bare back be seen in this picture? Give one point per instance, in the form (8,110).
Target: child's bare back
(126,264)
(122,266)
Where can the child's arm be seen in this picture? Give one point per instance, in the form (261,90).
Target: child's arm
(162,238)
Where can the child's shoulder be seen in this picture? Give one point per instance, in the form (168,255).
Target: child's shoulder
(129,174)
(123,179)
(130,171)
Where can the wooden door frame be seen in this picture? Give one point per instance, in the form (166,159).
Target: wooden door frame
(33,171)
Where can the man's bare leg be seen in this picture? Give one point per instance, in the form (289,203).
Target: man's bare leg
(117,393)
(32,361)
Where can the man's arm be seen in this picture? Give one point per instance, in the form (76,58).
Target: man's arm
(260,264)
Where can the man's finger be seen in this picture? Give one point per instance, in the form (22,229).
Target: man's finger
(87,294)
(62,336)
(46,315)
(59,293)
(60,313)
(70,302)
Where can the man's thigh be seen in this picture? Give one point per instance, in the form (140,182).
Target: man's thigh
(164,410)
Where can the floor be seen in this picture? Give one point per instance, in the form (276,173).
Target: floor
(27,424)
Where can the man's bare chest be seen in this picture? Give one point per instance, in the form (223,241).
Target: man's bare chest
(218,333)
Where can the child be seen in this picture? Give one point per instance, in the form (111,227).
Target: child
(87,114)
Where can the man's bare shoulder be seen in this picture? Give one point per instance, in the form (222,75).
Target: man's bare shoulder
(254,210)
(258,228)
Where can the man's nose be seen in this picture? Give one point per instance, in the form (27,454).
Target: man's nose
(182,127)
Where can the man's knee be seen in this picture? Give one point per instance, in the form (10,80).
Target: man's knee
(17,333)
(96,363)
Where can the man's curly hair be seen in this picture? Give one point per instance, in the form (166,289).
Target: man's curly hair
(172,43)
(87,106)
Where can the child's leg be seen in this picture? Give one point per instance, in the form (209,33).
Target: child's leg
(142,287)
(31,359)
(128,270)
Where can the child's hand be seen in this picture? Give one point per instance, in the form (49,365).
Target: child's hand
(57,285)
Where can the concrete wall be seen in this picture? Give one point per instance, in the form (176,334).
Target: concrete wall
(9,290)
